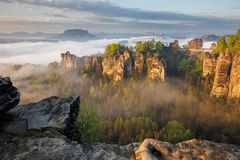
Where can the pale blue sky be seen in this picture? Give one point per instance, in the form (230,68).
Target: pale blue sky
(206,16)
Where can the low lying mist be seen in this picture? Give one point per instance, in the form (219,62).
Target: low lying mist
(172,100)
(46,52)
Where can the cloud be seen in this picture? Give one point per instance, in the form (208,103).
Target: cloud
(108,14)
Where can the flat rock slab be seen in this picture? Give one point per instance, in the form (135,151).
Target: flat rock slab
(53,112)
(33,148)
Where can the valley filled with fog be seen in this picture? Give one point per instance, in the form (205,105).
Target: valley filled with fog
(46,52)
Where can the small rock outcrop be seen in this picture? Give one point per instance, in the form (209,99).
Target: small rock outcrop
(222,75)
(69,61)
(9,95)
(152,149)
(195,44)
(209,63)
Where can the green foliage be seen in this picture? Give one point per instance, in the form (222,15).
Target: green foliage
(140,46)
(86,128)
(53,65)
(230,42)
(175,132)
(184,66)
(221,45)
(135,129)
(17,67)
(159,47)
(237,42)
(149,46)
(114,48)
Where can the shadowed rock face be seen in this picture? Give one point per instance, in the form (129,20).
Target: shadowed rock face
(222,75)
(195,44)
(9,95)
(209,64)
(152,149)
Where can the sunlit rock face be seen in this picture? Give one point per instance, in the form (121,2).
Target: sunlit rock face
(152,149)
(195,44)
(69,61)
(117,67)
(113,67)
(155,67)
(139,62)
(222,75)
(209,63)
(234,83)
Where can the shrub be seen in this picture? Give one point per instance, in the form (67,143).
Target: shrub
(86,128)
(175,132)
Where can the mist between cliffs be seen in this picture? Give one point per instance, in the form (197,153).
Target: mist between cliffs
(171,100)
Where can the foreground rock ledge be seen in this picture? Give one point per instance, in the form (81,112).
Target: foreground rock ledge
(39,131)
(152,149)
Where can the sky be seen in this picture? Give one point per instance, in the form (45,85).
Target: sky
(121,16)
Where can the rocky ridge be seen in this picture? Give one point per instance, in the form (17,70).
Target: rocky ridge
(117,67)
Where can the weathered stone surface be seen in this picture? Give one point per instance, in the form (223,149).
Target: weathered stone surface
(61,148)
(234,84)
(113,67)
(69,61)
(117,67)
(139,62)
(52,112)
(155,67)
(195,44)
(209,63)
(152,149)
(9,95)
(222,75)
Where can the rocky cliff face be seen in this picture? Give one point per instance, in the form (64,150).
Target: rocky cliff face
(234,83)
(195,44)
(222,75)
(118,66)
(209,64)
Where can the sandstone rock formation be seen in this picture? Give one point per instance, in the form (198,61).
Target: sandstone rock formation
(222,75)
(139,62)
(234,83)
(117,67)
(209,64)
(155,67)
(195,44)
(9,95)
(113,67)
(152,149)
(69,60)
